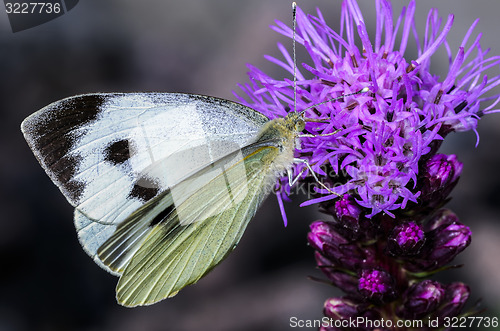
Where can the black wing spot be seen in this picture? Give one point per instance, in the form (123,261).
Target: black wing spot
(117,152)
(144,189)
(163,215)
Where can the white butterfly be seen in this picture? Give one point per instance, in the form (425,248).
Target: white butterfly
(163,184)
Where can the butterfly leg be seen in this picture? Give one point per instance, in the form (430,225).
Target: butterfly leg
(308,166)
(318,135)
(291,180)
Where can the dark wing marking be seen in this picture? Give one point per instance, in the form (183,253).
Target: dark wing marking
(50,133)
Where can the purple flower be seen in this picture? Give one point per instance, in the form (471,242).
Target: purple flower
(377,151)
(385,133)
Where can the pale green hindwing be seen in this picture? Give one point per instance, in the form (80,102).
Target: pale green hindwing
(192,238)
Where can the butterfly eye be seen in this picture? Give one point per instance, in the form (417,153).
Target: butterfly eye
(300,125)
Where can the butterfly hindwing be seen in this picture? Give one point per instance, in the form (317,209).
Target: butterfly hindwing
(195,235)
(92,235)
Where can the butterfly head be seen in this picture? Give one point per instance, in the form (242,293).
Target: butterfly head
(295,121)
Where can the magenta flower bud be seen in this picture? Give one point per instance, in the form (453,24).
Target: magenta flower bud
(341,252)
(346,210)
(323,233)
(441,173)
(376,285)
(340,308)
(443,216)
(421,299)
(340,279)
(350,222)
(447,242)
(447,239)
(406,239)
(348,309)
(455,297)
(443,169)
(350,256)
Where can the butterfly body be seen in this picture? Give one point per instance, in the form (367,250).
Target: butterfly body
(282,134)
(163,184)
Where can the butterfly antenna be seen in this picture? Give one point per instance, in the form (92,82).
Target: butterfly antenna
(363,90)
(294,24)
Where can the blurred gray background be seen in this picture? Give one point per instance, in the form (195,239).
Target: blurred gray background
(46,280)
